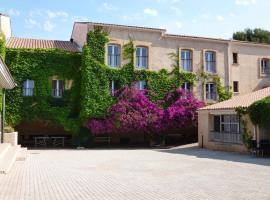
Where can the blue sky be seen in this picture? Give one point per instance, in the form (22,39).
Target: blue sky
(53,19)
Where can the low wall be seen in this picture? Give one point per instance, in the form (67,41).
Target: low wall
(11,138)
(222,146)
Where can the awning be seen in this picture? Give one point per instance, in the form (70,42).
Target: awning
(6,80)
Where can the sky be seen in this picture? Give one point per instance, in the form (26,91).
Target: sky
(53,19)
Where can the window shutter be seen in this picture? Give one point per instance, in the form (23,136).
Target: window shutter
(54,84)
(61,84)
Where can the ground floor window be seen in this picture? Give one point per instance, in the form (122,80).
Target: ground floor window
(226,128)
(57,88)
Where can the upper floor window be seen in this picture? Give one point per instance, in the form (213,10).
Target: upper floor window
(114,52)
(210,61)
(114,86)
(265,66)
(235,58)
(235,86)
(186,60)
(57,88)
(210,90)
(141,85)
(142,57)
(186,86)
(28,88)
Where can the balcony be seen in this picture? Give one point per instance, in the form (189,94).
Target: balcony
(226,137)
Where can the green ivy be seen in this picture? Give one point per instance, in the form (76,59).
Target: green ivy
(259,112)
(40,65)
(2,46)
(223,92)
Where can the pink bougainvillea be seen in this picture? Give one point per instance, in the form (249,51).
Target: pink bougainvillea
(135,113)
(183,110)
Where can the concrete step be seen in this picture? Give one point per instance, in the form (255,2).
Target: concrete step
(22,155)
(4,148)
(8,159)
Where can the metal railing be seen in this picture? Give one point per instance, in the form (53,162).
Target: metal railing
(226,137)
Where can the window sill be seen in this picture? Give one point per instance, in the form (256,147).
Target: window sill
(264,75)
(235,64)
(227,142)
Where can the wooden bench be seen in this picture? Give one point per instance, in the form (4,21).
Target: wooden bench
(103,139)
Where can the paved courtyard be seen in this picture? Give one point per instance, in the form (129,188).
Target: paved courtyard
(179,173)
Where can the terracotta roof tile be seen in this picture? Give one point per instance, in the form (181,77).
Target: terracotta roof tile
(240,101)
(15,43)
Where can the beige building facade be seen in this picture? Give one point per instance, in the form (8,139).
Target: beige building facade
(242,66)
(221,128)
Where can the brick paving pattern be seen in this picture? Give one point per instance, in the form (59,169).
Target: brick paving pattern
(175,174)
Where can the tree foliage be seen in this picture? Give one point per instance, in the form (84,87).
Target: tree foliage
(253,35)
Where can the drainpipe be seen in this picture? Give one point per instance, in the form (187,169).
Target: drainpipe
(3,114)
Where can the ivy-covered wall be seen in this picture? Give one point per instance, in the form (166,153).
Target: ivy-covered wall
(96,76)
(41,66)
(89,96)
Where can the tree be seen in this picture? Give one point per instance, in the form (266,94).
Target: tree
(253,35)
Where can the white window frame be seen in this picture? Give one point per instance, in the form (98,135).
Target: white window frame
(113,61)
(265,66)
(186,86)
(140,57)
(141,85)
(210,95)
(211,61)
(28,91)
(58,92)
(229,135)
(113,87)
(186,61)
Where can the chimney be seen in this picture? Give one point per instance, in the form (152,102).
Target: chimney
(5,25)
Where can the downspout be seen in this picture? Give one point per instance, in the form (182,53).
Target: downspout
(3,114)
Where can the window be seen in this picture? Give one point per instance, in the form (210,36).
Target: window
(114,86)
(186,60)
(235,86)
(142,57)
(227,128)
(113,55)
(211,91)
(141,85)
(28,88)
(210,61)
(235,58)
(186,86)
(57,88)
(265,66)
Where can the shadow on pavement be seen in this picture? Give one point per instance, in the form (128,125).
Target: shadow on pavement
(194,150)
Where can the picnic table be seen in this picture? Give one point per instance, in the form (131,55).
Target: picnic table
(43,141)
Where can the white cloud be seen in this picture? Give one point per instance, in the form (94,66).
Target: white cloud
(56,14)
(80,19)
(178,24)
(109,7)
(220,18)
(135,16)
(149,11)
(30,23)
(13,12)
(245,2)
(205,16)
(48,26)
(177,11)
(232,15)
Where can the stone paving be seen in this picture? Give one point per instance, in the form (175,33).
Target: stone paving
(178,173)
